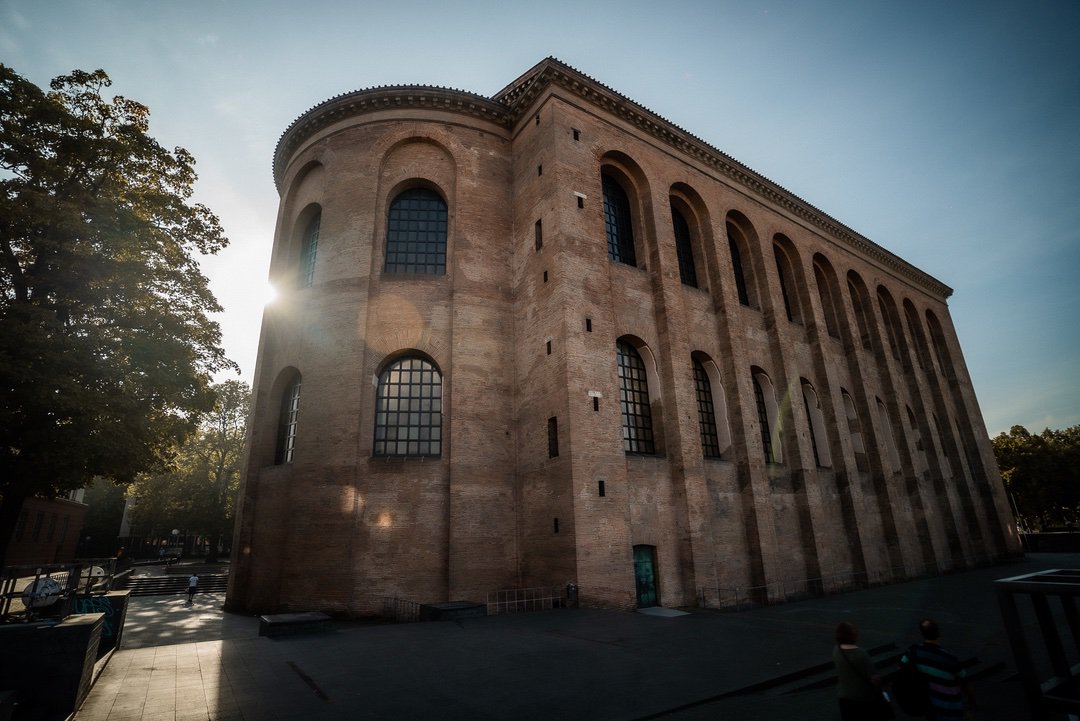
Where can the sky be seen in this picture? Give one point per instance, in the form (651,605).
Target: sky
(946,132)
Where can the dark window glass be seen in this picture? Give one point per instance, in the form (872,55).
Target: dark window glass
(39,521)
(706,412)
(813,435)
(858,305)
(634,400)
(553,437)
(617,223)
(781,264)
(736,265)
(684,249)
(286,437)
(408,410)
(20,528)
(416,233)
(308,251)
(539,233)
(763,421)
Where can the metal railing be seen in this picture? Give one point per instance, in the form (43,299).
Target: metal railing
(517,600)
(30,591)
(400,610)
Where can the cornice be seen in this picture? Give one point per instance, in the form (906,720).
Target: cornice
(507,107)
(385,97)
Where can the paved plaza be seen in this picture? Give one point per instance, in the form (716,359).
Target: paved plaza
(185,663)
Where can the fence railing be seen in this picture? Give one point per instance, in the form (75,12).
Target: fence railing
(400,610)
(517,600)
(36,590)
(739,598)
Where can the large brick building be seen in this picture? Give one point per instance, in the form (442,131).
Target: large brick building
(549,336)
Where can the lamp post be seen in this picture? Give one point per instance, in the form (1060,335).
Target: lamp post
(175,540)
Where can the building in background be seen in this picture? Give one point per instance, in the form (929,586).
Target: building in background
(548,336)
(47,530)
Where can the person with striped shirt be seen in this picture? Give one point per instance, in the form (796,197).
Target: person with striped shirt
(943,673)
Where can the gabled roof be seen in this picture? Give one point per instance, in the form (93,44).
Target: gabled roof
(509,105)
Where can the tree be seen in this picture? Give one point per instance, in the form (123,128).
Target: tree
(1041,474)
(104,513)
(199,494)
(107,348)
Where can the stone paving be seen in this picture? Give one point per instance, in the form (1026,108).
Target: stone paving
(185,663)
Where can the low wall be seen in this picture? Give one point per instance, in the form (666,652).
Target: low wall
(50,665)
(113,606)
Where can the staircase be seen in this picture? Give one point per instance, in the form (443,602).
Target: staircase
(175,585)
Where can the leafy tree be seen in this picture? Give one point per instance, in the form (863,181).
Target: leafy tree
(104,513)
(199,493)
(1041,474)
(107,348)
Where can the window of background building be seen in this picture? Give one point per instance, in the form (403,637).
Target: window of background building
(416,233)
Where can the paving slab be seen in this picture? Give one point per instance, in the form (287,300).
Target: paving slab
(198,662)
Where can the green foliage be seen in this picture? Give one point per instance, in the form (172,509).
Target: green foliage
(1041,474)
(104,513)
(199,494)
(107,348)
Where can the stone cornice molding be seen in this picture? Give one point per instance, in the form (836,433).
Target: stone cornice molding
(387,97)
(509,105)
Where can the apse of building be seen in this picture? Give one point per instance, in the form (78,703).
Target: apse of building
(549,337)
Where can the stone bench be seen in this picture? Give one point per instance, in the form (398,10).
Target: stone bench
(280,624)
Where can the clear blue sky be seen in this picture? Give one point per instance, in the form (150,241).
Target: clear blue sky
(947,132)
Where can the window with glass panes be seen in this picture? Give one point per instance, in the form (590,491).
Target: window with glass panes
(408,409)
(684,249)
(308,251)
(416,233)
(618,223)
(737,266)
(763,421)
(286,437)
(634,400)
(710,445)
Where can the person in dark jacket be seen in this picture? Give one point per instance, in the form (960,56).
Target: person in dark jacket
(858,690)
(945,678)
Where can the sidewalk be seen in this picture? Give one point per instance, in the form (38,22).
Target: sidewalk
(183,664)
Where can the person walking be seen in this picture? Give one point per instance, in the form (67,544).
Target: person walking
(858,690)
(192,586)
(942,678)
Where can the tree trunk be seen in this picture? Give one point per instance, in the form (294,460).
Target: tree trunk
(10,506)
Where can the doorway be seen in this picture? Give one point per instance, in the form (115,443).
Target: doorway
(645,576)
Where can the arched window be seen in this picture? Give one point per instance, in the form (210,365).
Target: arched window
(859,302)
(827,293)
(765,400)
(287,416)
(416,233)
(308,250)
(618,222)
(854,431)
(707,421)
(634,401)
(684,248)
(408,409)
(737,265)
(891,451)
(818,438)
(892,323)
(786,275)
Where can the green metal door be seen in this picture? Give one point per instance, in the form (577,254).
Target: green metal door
(645,576)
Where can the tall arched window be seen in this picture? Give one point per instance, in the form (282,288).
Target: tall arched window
(828,294)
(308,250)
(684,248)
(408,409)
(618,222)
(288,412)
(707,422)
(854,431)
(737,266)
(859,301)
(786,275)
(416,233)
(818,438)
(634,401)
(891,452)
(765,400)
